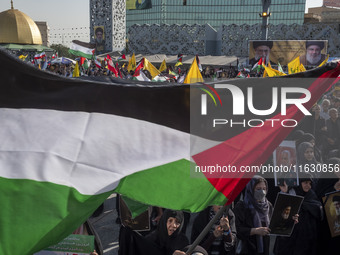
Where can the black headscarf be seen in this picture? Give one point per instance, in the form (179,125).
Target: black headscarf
(162,228)
(303,177)
(307,137)
(297,134)
(259,209)
(310,211)
(301,154)
(160,236)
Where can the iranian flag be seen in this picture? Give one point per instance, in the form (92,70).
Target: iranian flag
(98,63)
(40,55)
(82,49)
(67,145)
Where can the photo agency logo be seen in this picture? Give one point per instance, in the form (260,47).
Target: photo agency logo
(253,106)
(204,98)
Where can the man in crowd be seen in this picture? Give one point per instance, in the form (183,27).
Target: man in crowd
(313,55)
(324,109)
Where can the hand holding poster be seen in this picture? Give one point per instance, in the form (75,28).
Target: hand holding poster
(286,206)
(332,208)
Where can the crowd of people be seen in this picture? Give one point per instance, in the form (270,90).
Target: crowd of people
(244,227)
(173,73)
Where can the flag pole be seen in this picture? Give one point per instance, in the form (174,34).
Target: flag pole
(207,228)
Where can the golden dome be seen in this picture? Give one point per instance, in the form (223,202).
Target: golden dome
(17,27)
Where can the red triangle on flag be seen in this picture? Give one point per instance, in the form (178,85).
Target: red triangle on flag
(139,67)
(112,68)
(82,61)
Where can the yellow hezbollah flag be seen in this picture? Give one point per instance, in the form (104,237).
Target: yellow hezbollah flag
(76,71)
(270,72)
(163,66)
(302,68)
(132,63)
(178,63)
(324,62)
(194,74)
(22,57)
(265,73)
(294,66)
(151,68)
(269,65)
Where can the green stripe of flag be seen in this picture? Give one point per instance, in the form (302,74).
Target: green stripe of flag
(80,54)
(46,211)
(171,186)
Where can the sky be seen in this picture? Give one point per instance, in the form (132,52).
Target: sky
(57,13)
(69,13)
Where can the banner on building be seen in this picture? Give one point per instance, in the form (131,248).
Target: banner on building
(99,37)
(311,53)
(331,3)
(138,4)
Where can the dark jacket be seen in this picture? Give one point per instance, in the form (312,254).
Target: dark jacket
(168,244)
(327,244)
(303,240)
(244,223)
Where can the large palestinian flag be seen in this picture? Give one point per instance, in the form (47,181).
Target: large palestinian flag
(67,144)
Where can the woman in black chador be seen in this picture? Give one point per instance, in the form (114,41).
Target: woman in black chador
(168,236)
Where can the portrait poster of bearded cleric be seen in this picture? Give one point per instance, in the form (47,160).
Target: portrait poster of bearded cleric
(311,53)
(286,206)
(315,53)
(332,208)
(99,37)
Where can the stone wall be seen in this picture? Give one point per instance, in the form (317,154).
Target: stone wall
(172,39)
(231,40)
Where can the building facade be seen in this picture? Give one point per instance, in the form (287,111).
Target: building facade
(216,12)
(326,15)
(110,16)
(44,31)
